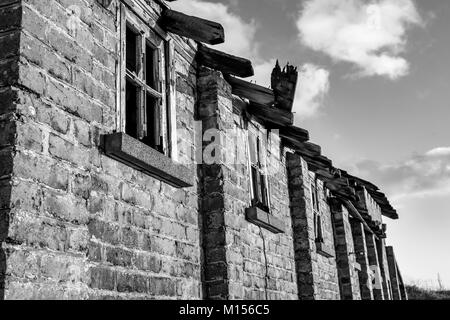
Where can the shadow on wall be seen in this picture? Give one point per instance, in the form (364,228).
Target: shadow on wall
(4,224)
(2,274)
(5,196)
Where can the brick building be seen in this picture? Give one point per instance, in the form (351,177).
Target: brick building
(136,163)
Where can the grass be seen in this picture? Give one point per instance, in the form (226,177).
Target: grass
(419,293)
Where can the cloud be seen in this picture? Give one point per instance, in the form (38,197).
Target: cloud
(313,85)
(371,36)
(422,175)
(263,70)
(240,40)
(239,34)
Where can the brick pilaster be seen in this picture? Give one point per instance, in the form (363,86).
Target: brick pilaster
(216,275)
(393,273)
(345,258)
(303,245)
(365,283)
(381,249)
(374,264)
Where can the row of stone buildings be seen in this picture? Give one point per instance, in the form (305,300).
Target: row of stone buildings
(136,163)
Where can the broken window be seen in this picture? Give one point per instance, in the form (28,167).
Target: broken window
(318,228)
(145,84)
(258,169)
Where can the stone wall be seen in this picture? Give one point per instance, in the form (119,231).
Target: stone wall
(242,260)
(317,274)
(82,225)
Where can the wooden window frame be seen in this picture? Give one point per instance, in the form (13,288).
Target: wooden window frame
(317,215)
(260,168)
(164,83)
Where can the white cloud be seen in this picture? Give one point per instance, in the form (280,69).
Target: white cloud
(239,34)
(263,70)
(313,85)
(370,36)
(240,40)
(420,176)
(443,151)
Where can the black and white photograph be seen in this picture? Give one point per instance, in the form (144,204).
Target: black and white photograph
(219,156)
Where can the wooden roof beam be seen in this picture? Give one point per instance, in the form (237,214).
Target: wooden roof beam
(316,163)
(274,117)
(224,62)
(251,91)
(307,150)
(355,214)
(380,198)
(294,133)
(192,27)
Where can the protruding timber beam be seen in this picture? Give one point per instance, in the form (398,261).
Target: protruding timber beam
(294,133)
(306,149)
(355,214)
(317,162)
(224,62)
(253,92)
(338,185)
(192,27)
(379,197)
(272,116)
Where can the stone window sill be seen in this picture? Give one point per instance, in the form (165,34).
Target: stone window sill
(265,220)
(136,154)
(323,249)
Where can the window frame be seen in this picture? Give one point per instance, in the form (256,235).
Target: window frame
(317,215)
(164,90)
(260,167)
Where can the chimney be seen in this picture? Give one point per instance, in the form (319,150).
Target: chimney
(284,83)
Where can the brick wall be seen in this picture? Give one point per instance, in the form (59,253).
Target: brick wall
(393,274)
(83,225)
(384,268)
(365,274)
(317,274)
(77,224)
(10,21)
(374,264)
(242,260)
(345,252)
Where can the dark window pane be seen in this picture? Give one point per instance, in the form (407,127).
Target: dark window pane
(151,67)
(131,50)
(265,200)
(252,149)
(131,107)
(154,137)
(319,228)
(258,150)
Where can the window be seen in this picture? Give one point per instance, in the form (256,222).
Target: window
(145,84)
(258,170)
(318,231)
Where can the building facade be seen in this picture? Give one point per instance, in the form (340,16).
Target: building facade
(136,163)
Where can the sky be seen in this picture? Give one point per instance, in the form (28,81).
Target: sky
(374,92)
